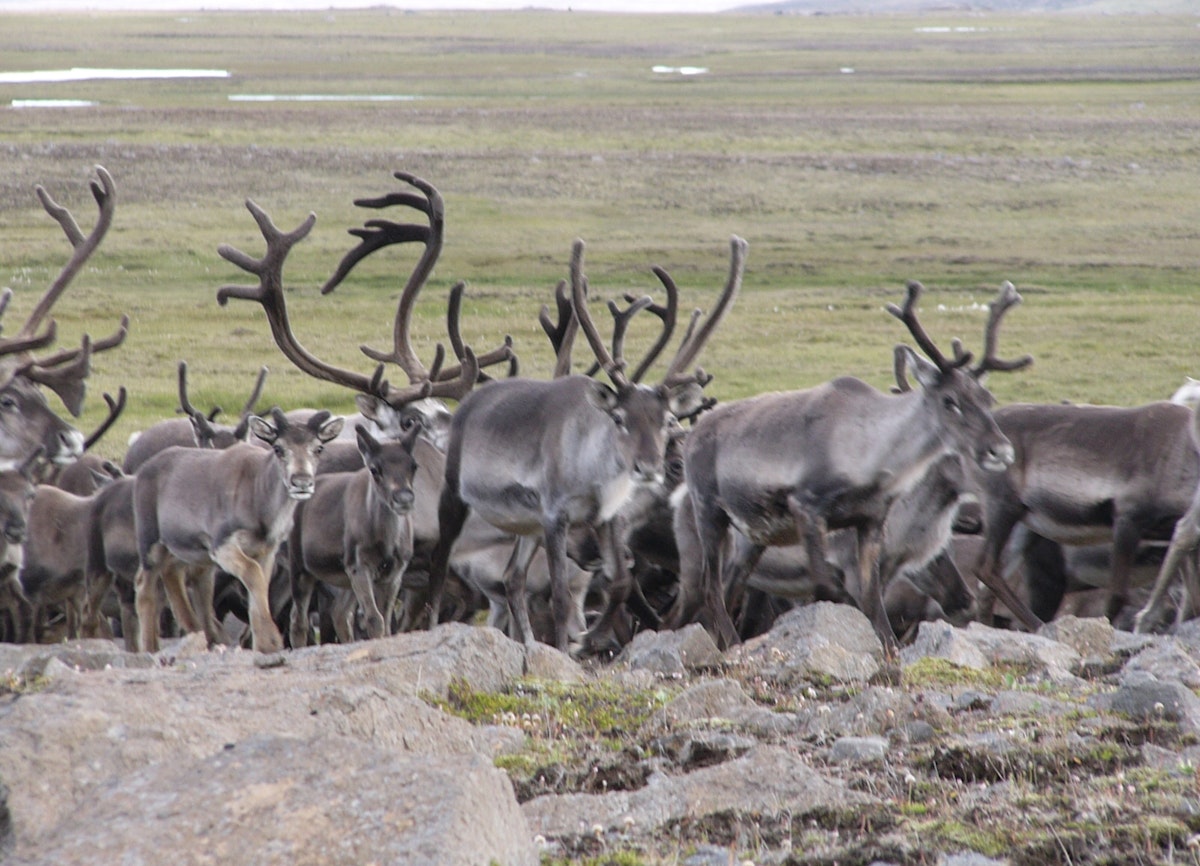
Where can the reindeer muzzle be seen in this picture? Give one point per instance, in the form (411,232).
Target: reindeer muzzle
(301,487)
(402,501)
(998,457)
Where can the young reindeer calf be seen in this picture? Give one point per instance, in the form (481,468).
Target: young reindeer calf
(229,508)
(355,533)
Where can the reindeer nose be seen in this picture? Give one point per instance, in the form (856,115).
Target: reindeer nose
(999,457)
(402,501)
(302,487)
(14,533)
(70,447)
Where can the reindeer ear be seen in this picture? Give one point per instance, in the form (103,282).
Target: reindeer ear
(262,428)
(368,405)
(686,399)
(368,445)
(331,428)
(926,373)
(601,396)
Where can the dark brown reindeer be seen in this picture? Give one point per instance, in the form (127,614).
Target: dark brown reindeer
(393,408)
(788,467)
(534,458)
(26,420)
(1090,474)
(354,533)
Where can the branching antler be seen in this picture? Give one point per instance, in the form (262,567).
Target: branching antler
(614,370)
(695,339)
(377,234)
(908,315)
(115,408)
(1006,300)
(269,294)
(64,372)
(561,333)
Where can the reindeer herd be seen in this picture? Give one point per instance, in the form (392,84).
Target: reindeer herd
(576,509)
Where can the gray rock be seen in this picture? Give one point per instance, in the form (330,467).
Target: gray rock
(1091,637)
(768,782)
(544,662)
(273,799)
(858,750)
(969,858)
(671,652)
(713,699)
(1001,646)
(67,742)
(694,749)
(941,640)
(1143,698)
(1165,659)
(817,642)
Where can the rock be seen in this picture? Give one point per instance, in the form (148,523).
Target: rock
(1166,659)
(941,640)
(1143,698)
(768,782)
(671,652)
(80,734)
(326,800)
(544,662)
(694,749)
(858,750)
(969,858)
(713,699)
(819,642)
(1091,637)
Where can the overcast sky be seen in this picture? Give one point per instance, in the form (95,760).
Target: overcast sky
(582,5)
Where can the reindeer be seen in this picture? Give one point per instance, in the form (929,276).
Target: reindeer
(393,409)
(16,495)
(26,420)
(783,468)
(1070,483)
(534,458)
(230,508)
(197,429)
(354,533)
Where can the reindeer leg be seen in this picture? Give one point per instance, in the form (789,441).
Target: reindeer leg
(255,576)
(870,543)
(303,584)
(452,514)
(363,586)
(1126,536)
(148,602)
(1184,541)
(515,573)
(174,581)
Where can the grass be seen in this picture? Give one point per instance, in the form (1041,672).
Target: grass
(1058,152)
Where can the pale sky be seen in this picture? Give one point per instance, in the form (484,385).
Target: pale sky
(581,5)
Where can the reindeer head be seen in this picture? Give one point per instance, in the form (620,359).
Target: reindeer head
(953,390)
(391,466)
(646,417)
(297,446)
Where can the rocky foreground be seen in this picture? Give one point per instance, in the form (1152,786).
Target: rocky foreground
(1077,745)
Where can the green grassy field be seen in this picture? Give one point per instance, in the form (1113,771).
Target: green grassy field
(853,153)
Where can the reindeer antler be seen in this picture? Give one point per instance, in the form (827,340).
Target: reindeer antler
(614,370)
(269,294)
(908,315)
(377,234)
(694,339)
(64,372)
(115,408)
(561,333)
(1005,300)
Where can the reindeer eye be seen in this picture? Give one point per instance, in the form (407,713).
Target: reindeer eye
(951,405)
(8,402)
(278,450)
(619,419)
(319,449)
